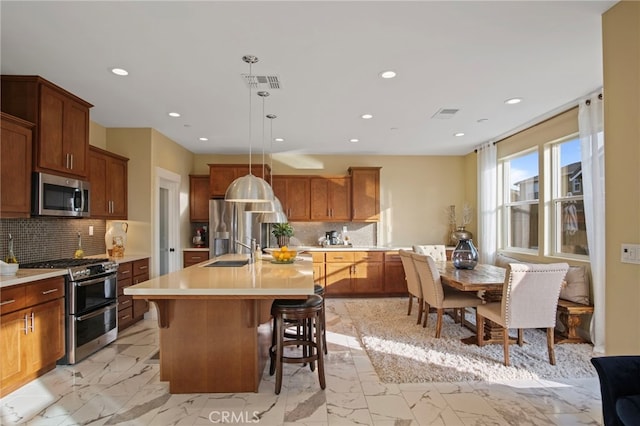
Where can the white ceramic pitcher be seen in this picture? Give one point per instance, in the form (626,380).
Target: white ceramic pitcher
(116,238)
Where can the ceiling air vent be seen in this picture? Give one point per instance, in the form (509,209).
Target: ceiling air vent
(263,82)
(445,113)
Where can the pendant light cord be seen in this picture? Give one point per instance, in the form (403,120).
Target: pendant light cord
(250,92)
(263,136)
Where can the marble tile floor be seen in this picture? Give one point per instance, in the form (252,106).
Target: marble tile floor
(119,385)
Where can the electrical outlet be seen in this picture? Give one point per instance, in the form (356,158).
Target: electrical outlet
(90,230)
(630,253)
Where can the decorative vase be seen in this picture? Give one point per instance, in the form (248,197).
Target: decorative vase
(283,240)
(465,255)
(461,234)
(115,238)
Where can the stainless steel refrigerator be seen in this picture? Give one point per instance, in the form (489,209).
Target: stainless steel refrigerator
(230,223)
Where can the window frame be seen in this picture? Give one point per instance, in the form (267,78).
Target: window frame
(554,215)
(505,203)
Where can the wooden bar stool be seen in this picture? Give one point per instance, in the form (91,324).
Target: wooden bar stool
(319,290)
(309,314)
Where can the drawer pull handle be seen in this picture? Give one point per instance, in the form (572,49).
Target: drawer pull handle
(26,324)
(6,302)
(124,317)
(338,257)
(126,302)
(53,290)
(125,272)
(144,267)
(195,257)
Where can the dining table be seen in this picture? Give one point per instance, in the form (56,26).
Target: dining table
(484,279)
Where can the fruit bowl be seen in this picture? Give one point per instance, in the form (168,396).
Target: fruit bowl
(293,259)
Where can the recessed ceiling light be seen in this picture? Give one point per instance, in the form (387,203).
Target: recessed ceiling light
(513,101)
(367,116)
(174,114)
(279,139)
(354,140)
(458,134)
(119,71)
(203,139)
(388,74)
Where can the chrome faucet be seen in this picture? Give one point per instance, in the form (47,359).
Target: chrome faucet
(252,248)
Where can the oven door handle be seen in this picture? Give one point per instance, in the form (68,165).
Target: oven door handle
(96,313)
(93,281)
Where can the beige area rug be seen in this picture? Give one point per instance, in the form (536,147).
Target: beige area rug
(403,352)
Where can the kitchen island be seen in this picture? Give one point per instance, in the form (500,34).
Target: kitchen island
(214,321)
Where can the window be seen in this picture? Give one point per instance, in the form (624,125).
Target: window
(521,201)
(569,234)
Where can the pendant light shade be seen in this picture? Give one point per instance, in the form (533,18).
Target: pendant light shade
(249,188)
(275,216)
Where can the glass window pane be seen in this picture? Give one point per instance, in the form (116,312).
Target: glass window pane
(570,168)
(524,226)
(523,177)
(573,237)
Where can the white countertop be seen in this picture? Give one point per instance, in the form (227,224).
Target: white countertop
(196,249)
(255,280)
(24,276)
(347,248)
(124,259)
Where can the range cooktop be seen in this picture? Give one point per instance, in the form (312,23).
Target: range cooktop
(78,269)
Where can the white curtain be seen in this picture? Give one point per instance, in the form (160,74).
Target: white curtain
(487,202)
(591,126)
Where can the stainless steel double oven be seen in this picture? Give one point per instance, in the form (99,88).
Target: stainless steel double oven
(91,305)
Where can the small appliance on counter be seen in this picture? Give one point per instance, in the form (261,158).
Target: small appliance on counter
(333,238)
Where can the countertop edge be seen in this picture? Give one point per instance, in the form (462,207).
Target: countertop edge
(25,276)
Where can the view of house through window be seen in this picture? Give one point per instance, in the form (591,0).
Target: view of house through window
(570,234)
(521,207)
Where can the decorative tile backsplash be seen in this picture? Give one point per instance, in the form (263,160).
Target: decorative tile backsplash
(37,239)
(308,233)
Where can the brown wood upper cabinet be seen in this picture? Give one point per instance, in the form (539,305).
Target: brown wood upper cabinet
(365,193)
(109,181)
(62,123)
(294,195)
(199,198)
(330,198)
(15,167)
(221,176)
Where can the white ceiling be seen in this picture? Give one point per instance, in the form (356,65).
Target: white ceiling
(187,57)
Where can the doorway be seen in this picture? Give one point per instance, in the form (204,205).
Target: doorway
(167,229)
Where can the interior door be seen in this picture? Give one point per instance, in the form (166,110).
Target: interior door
(167,226)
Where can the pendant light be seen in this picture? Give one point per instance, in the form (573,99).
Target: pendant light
(249,188)
(278,215)
(269,206)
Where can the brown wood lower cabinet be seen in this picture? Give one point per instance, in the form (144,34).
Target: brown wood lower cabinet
(359,273)
(354,273)
(129,310)
(192,257)
(31,331)
(395,282)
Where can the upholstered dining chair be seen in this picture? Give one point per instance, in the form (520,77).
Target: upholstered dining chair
(437,251)
(529,300)
(413,282)
(434,294)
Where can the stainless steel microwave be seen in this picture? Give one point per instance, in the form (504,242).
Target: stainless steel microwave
(59,196)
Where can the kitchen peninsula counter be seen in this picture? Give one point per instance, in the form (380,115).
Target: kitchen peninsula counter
(214,322)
